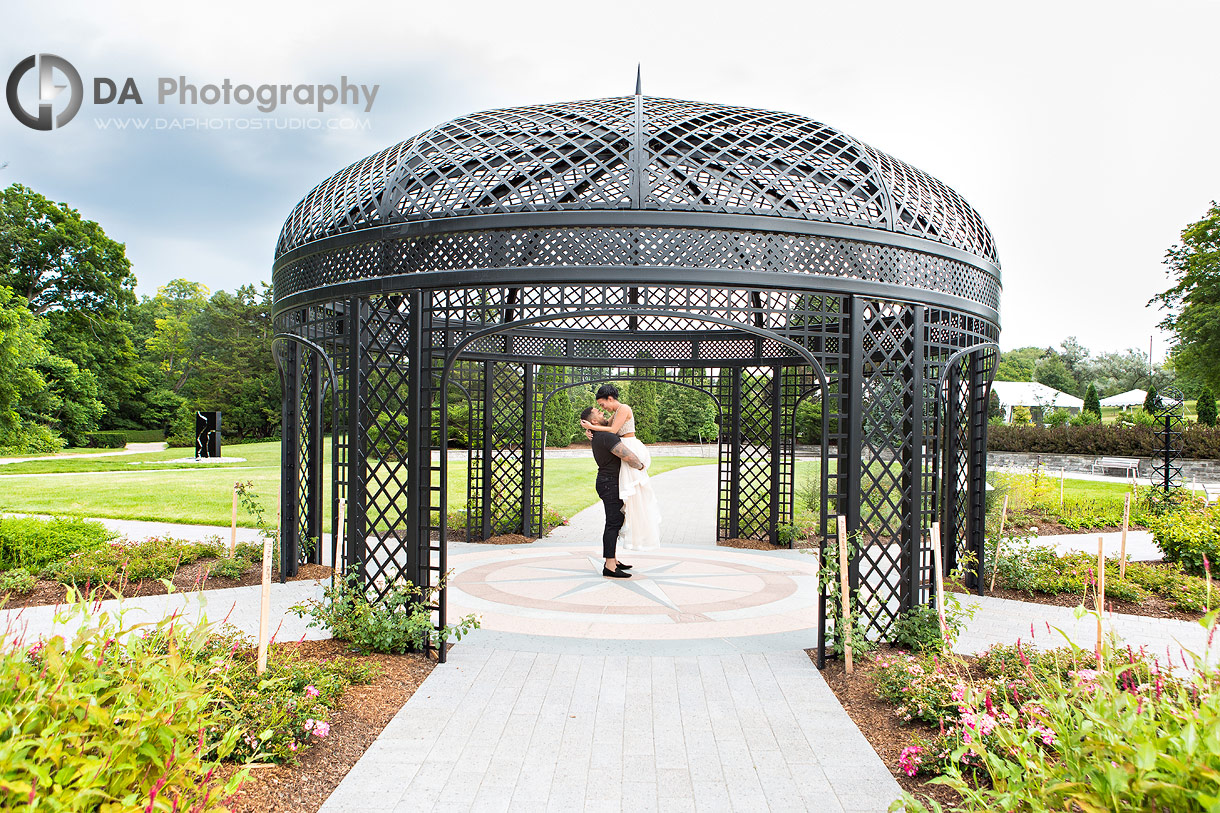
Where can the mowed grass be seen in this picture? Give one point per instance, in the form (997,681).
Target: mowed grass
(162,488)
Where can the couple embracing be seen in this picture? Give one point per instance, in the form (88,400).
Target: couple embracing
(632,515)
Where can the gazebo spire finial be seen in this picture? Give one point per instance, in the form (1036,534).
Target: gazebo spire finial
(638,86)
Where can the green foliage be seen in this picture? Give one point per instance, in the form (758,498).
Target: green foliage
(809,421)
(1205,407)
(1188,536)
(686,415)
(1137,439)
(22,350)
(17,580)
(1052,372)
(1092,404)
(152,558)
(643,397)
(562,421)
(918,628)
(1152,401)
(1058,417)
(1020,416)
(34,543)
(1032,568)
(401,621)
(1193,302)
(837,634)
(994,408)
(113,720)
(144,435)
(1018,365)
(106,440)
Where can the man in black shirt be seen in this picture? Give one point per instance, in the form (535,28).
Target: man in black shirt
(608,451)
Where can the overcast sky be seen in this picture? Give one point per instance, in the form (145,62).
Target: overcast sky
(1085,133)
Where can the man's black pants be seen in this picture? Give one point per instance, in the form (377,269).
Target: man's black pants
(607,489)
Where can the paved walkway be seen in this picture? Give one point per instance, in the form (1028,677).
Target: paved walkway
(130,448)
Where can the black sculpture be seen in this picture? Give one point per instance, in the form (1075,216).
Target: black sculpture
(207,435)
(762,257)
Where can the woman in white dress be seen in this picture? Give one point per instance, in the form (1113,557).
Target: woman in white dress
(642,529)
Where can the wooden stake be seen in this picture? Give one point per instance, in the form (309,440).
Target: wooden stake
(1062,475)
(337,551)
(233,534)
(999,540)
(938,579)
(1101,590)
(264,618)
(1122,551)
(845,593)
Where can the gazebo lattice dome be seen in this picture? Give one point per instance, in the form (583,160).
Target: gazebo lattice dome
(765,258)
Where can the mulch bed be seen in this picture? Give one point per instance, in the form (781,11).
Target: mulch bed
(750,544)
(876,720)
(362,714)
(507,539)
(188,579)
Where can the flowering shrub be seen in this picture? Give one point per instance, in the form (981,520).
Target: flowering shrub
(112,720)
(1065,730)
(282,710)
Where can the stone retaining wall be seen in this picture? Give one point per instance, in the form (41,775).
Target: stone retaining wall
(1203,471)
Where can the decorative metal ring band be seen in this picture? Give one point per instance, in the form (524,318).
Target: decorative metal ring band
(635,219)
(631,276)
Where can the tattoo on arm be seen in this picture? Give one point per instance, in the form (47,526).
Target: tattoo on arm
(626,454)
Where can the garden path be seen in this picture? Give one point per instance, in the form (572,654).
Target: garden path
(130,448)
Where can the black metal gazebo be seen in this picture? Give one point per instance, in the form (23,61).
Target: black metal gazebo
(762,257)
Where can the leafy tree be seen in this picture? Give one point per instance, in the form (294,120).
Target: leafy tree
(21,351)
(1092,403)
(1018,365)
(176,304)
(57,260)
(1021,416)
(80,281)
(643,398)
(994,408)
(1052,372)
(1193,303)
(1205,407)
(686,414)
(70,403)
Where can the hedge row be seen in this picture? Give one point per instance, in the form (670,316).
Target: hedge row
(106,440)
(1197,441)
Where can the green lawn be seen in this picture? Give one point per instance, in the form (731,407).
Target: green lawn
(154,487)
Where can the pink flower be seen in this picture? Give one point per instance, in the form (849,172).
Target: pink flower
(910,759)
(317,728)
(310,691)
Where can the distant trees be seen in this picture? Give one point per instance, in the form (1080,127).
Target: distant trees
(1193,303)
(1205,408)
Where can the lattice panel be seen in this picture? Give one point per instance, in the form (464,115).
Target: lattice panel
(1169,416)
(885,561)
(671,247)
(680,156)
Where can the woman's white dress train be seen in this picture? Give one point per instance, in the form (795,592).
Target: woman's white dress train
(642,530)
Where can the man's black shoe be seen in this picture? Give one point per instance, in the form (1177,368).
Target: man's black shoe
(615,574)
(622,566)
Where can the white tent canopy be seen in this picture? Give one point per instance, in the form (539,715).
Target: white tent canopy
(1033,394)
(1125,399)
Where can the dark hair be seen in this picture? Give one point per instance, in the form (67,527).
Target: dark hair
(607,391)
(585,413)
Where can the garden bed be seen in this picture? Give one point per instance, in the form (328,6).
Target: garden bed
(1150,607)
(881,727)
(362,714)
(187,578)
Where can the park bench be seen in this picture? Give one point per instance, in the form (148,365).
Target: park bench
(1211,493)
(1129,465)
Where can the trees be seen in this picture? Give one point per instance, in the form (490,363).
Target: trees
(1091,402)
(1018,365)
(1152,401)
(1205,407)
(1052,372)
(1193,303)
(21,351)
